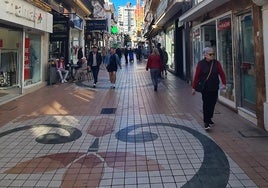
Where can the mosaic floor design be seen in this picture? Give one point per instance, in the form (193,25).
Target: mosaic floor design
(114,151)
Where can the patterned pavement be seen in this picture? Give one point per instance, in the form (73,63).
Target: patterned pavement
(74,135)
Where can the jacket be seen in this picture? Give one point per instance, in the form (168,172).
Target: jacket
(154,62)
(202,71)
(90,59)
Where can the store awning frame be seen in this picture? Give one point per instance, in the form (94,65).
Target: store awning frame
(201,9)
(171,11)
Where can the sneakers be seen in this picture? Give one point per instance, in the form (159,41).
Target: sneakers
(94,85)
(207,126)
(210,122)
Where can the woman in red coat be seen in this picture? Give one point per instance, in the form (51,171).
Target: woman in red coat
(155,65)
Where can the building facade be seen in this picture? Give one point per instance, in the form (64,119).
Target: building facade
(236,30)
(126,21)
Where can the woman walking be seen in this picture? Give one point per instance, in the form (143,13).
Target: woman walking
(112,66)
(209,69)
(155,65)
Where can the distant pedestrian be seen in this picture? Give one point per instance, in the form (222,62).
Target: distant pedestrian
(118,51)
(80,55)
(161,55)
(103,54)
(126,55)
(94,62)
(155,65)
(139,52)
(112,66)
(160,50)
(131,55)
(209,69)
(165,61)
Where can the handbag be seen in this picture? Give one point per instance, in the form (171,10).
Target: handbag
(202,83)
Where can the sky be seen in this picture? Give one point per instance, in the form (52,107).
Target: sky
(118,3)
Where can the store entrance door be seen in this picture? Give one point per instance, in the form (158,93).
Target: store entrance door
(246,61)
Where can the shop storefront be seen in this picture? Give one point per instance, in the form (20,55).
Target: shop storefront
(10,57)
(170,48)
(76,36)
(24,32)
(95,33)
(59,39)
(235,36)
(217,33)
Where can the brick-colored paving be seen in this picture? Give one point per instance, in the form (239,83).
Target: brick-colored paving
(73,135)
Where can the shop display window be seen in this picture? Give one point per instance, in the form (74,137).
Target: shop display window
(8,68)
(9,57)
(170,48)
(32,64)
(225,54)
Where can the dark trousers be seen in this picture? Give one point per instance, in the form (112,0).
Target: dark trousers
(95,72)
(209,101)
(126,58)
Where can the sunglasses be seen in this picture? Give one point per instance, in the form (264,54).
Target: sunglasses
(211,54)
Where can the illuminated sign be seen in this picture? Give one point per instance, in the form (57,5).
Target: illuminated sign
(114,29)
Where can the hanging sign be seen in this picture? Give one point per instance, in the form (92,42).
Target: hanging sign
(224,24)
(27,59)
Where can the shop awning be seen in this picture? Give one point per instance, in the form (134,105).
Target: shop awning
(201,9)
(168,14)
(171,11)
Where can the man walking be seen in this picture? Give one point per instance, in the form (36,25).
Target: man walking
(94,62)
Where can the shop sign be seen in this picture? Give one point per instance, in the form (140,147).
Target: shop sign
(196,33)
(96,25)
(224,24)
(23,13)
(77,21)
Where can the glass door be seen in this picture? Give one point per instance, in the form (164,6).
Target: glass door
(247,61)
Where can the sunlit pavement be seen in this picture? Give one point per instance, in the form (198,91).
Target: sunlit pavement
(74,135)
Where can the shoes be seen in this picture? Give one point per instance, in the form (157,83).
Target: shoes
(65,81)
(207,126)
(94,85)
(210,122)
(155,88)
(62,81)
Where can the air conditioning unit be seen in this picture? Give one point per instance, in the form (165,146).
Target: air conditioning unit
(260,2)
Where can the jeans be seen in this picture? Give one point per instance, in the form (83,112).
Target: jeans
(66,72)
(154,76)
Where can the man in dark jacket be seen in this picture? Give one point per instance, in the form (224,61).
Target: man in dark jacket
(161,55)
(94,62)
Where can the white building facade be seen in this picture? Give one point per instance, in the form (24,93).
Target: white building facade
(126,20)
